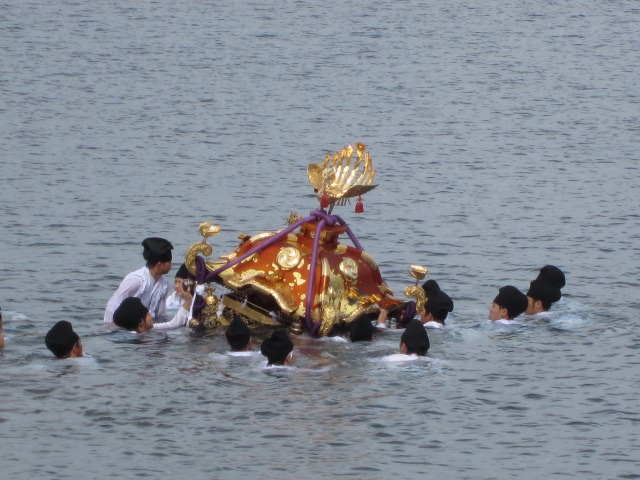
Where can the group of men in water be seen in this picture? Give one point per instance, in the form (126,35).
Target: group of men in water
(144,295)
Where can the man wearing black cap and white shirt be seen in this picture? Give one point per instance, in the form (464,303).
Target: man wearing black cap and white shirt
(414,340)
(148,283)
(434,312)
(132,315)
(437,306)
(414,343)
(238,335)
(508,304)
(278,349)
(545,290)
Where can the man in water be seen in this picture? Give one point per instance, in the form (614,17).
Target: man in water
(545,290)
(278,349)
(148,283)
(238,335)
(132,315)
(63,341)
(414,339)
(436,308)
(508,304)
(361,329)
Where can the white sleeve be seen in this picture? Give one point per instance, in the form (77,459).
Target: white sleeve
(179,320)
(162,307)
(173,302)
(129,286)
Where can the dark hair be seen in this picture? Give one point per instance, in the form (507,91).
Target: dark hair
(546,304)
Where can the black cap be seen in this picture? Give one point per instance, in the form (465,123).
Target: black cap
(552,275)
(61,339)
(238,334)
(430,288)
(512,299)
(439,305)
(156,250)
(277,347)
(361,329)
(183,272)
(415,338)
(130,313)
(543,291)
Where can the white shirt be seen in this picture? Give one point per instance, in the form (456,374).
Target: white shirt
(173,301)
(141,284)
(400,357)
(180,319)
(504,321)
(433,324)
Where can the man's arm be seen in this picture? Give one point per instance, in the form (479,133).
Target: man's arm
(128,288)
(181,317)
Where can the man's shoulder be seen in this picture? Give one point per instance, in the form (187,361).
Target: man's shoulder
(140,273)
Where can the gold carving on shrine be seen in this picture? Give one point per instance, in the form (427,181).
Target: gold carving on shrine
(288,257)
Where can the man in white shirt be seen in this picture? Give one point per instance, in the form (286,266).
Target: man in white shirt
(508,304)
(545,290)
(433,313)
(148,283)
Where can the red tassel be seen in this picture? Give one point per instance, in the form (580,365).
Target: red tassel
(359,205)
(324,200)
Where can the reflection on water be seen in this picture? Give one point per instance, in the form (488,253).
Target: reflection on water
(505,138)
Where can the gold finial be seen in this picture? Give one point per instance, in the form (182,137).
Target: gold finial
(208,229)
(421,297)
(418,272)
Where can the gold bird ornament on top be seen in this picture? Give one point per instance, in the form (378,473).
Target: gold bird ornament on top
(342,175)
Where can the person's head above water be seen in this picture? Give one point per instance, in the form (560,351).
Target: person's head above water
(132,315)
(361,329)
(278,348)
(508,304)
(238,335)
(63,341)
(414,339)
(545,289)
(157,253)
(437,307)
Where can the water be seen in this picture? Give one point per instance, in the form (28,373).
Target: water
(505,138)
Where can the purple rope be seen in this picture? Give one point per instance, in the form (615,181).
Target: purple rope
(350,233)
(257,248)
(313,329)
(198,300)
(409,313)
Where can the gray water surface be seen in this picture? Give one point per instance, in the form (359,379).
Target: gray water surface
(505,137)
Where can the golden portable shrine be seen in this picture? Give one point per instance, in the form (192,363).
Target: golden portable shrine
(302,276)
